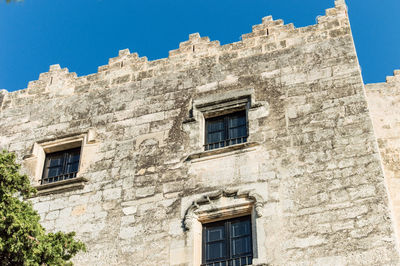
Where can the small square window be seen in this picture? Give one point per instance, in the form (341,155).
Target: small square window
(228,242)
(61,165)
(226,130)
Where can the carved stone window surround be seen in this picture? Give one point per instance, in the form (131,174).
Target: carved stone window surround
(223,205)
(34,162)
(217,105)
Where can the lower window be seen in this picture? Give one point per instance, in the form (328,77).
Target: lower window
(228,242)
(61,165)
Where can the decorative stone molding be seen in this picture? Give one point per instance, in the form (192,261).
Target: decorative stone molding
(223,205)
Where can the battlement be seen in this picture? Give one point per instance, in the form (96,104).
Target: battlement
(395,78)
(267,37)
(389,87)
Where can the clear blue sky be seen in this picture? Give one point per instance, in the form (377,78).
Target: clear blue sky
(82,34)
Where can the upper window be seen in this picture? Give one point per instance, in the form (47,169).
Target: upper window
(228,242)
(61,165)
(226,130)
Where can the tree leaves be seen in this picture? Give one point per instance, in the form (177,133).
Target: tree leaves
(23,241)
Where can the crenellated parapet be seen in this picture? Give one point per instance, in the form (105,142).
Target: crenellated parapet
(195,45)
(57,80)
(389,88)
(269,36)
(395,78)
(125,59)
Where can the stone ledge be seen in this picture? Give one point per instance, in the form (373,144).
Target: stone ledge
(220,152)
(61,186)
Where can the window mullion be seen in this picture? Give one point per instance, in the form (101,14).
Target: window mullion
(204,245)
(226,127)
(64,166)
(228,239)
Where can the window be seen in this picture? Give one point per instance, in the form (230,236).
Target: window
(228,242)
(226,130)
(61,165)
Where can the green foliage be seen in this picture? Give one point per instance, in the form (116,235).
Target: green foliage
(23,241)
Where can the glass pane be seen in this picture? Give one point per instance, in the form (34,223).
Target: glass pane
(216,125)
(215,251)
(56,161)
(237,132)
(240,228)
(215,137)
(241,246)
(215,233)
(74,158)
(73,167)
(55,171)
(73,162)
(237,120)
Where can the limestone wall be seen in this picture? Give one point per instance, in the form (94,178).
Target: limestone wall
(384,105)
(309,175)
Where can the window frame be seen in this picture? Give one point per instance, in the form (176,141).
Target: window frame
(227,140)
(227,224)
(222,205)
(34,162)
(65,174)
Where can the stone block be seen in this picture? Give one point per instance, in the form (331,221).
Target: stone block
(145,192)
(112,194)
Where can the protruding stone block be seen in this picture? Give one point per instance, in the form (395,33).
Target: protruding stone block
(123,52)
(194,36)
(54,67)
(267,19)
(340,2)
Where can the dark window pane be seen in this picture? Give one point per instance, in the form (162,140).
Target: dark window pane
(216,125)
(216,251)
(237,120)
(54,171)
(73,158)
(235,248)
(240,228)
(216,137)
(226,130)
(73,167)
(237,132)
(241,246)
(60,165)
(56,161)
(73,162)
(215,233)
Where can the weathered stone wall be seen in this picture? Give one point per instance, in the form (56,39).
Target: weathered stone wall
(311,165)
(384,106)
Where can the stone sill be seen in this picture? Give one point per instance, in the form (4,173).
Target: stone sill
(222,152)
(61,186)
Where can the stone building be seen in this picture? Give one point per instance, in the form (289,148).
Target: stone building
(261,151)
